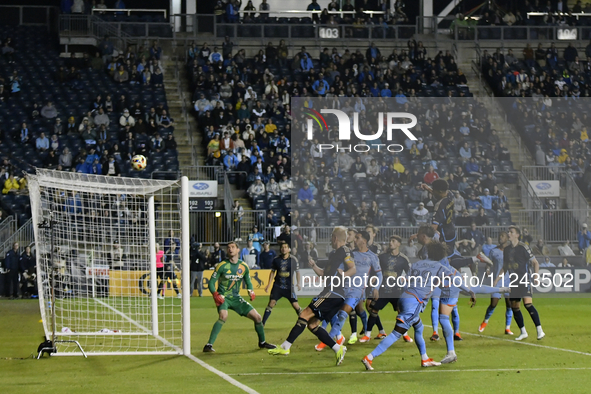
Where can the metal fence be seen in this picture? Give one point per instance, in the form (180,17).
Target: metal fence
(224,226)
(8,227)
(203,173)
(554,226)
(24,236)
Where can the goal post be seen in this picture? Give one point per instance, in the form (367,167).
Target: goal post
(113,265)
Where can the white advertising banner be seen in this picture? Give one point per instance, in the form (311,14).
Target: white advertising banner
(546,188)
(203,189)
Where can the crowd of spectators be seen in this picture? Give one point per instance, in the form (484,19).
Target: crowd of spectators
(549,89)
(243,109)
(232,11)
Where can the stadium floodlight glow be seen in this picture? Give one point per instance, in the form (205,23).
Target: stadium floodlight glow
(98,241)
(218,214)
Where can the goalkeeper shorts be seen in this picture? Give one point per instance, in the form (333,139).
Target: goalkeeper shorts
(236,304)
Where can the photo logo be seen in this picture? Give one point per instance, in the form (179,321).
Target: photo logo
(345,125)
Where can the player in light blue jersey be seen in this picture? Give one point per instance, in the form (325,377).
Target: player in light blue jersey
(365,261)
(496,255)
(412,303)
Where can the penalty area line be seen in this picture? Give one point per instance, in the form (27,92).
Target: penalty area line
(223,375)
(430,370)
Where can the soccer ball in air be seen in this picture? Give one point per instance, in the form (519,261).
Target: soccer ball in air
(139,162)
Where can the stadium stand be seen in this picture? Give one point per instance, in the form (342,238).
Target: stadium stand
(243,109)
(78,113)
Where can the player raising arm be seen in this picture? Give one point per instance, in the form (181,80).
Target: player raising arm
(330,300)
(229,275)
(282,268)
(519,260)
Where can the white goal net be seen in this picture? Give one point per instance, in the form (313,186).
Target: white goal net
(110,253)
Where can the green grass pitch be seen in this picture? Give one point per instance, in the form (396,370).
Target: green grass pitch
(493,363)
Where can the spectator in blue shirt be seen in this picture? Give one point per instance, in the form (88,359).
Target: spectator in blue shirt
(305,196)
(320,86)
(472,167)
(372,53)
(314,6)
(257,238)
(487,199)
(401,98)
(267,256)
(465,152)
(473,203)
(584,237)
(155,51)
(230,161)
(386,92)
(216,56)
(232,11)
(306,63)
(42,143)
(475,234)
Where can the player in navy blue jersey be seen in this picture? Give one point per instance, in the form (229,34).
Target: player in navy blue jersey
(282,269)
(443,223)
(519,261)
(393,264)
(365,261)
(330,299)
(413,301)
(496,255)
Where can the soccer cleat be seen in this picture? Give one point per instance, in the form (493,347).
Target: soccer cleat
(179,295)
(352,339)
(522,336)
(482,257)
(508,332)
(482,326)
(435,336)
(278,351)
(407,338)
(449,358)
(364,339)
(429,363)
(265,345)
(208,349)
(340,355)
(320,347)
(340,340)
(160,297)
(381,336)
(541,335)
(367,362)
(504,290)
(458,337)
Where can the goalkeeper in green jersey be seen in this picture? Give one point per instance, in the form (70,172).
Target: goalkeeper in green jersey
(229,275)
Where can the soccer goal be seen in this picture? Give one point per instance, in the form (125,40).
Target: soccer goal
(99,241)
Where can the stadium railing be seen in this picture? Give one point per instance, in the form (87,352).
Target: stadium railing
(217,229)
(128,11)
(8,227)
(556,225)
(24,236)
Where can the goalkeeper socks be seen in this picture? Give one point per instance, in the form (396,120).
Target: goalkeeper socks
(267,314)
(297,330)
(518,317)
(325,337)
(353,322)
(448,332)
(533,312)
(363,317)
(337,325)
(419,340)
(455,319)
(489,312)
(508,317)
(217,327)
(435,313)
(385,344)
(260,329)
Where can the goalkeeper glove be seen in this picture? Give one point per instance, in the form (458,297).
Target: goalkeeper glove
(218,298)
(252,295)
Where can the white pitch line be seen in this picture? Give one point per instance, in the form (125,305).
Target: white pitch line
(430,370)
(523,343)
(222,375)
